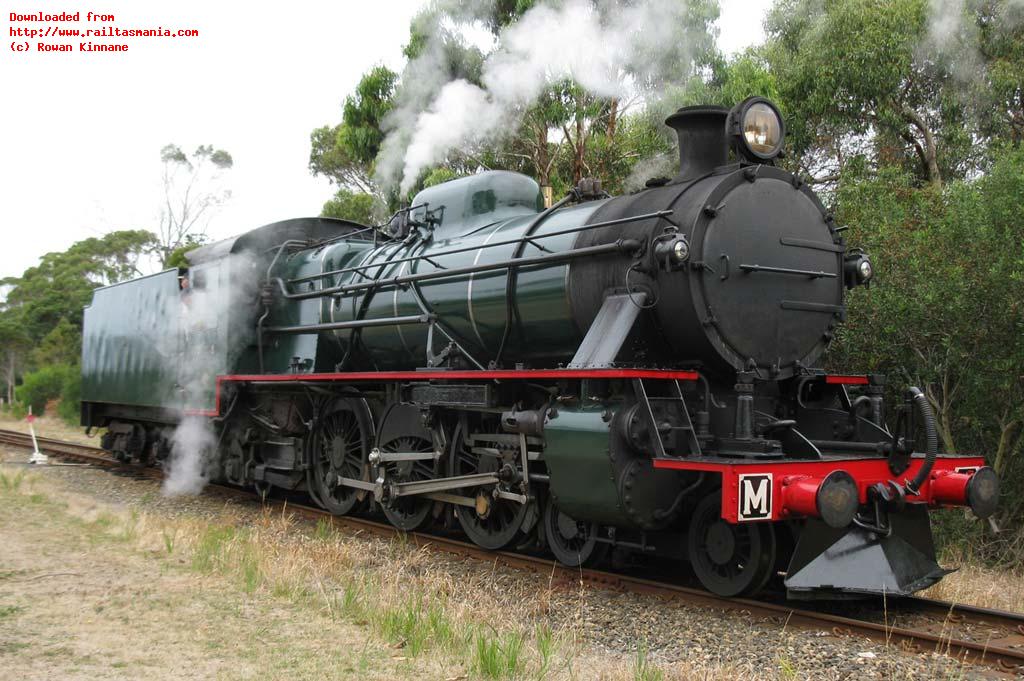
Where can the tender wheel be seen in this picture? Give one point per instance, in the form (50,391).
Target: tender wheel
(339,447)
(492,523)
(729,560)
(409,513)
(573,542)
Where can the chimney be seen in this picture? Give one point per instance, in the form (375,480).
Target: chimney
(703,145)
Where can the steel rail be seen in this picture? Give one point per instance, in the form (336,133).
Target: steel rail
(999,652)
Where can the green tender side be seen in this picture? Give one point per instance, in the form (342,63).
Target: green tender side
(582,479)
(147,345)
(131,346)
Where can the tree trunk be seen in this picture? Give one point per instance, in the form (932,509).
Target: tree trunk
(613,119)
(929,151)
(1010,439)
(942,405)
(541,162)
(577,165)
(10,378)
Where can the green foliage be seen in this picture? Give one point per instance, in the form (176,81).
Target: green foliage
(61,345)
(41,316)
(355,206)
(177,257)
(878,79)
(345,153)
(439,176)
(61,284)
(947,309)
(70,406)
(745,75)
(45,384)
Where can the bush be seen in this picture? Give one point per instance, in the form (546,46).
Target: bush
(57,381)
(69,408)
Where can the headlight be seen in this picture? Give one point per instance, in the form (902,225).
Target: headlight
(865,271)
(680,250)
(857,268)
(757,129)
(672,251)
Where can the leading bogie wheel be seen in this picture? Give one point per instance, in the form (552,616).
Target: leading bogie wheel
(573,542)
(729,559)
(339,448)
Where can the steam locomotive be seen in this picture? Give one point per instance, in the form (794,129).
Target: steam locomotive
(637,373)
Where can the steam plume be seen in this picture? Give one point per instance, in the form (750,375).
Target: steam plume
(215,328)
(610,52)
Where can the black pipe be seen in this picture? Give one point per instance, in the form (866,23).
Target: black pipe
(703,145)
(931,439)
(506,242)
(874,447)
(622,246)
(683,493)
(354,324)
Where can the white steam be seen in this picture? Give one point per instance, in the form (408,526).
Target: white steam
(610,53)
(187,467)
(955,38)
(215,326)
(659,165)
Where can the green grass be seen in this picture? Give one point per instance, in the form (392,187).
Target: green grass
(129,532)
(544,640)
(211,550)
(499,656)
(13,482)
(405,625)
(786,668)
(9,611)
(643,670)
(169,539)
(324,530)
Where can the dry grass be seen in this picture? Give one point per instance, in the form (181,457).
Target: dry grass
(469,623)
(975,584)
(49,426)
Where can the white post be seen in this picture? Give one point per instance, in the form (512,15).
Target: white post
(37,456)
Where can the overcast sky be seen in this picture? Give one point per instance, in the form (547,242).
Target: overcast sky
(82,132)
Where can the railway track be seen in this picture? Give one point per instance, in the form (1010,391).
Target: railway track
(975,635)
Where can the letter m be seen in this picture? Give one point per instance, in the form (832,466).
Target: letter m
(755,502)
